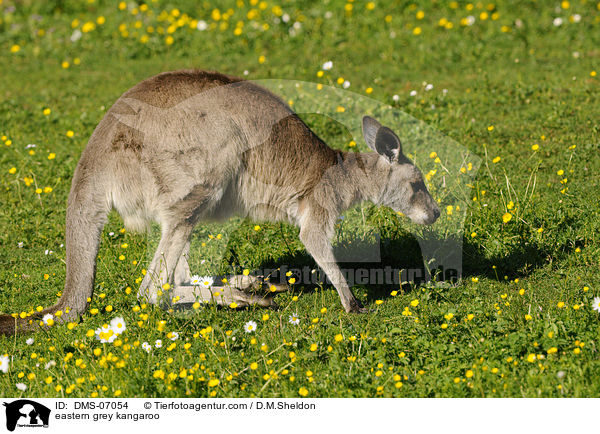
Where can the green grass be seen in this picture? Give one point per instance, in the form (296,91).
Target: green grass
(532,81)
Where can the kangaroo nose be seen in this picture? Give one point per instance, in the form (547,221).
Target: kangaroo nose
(436,213)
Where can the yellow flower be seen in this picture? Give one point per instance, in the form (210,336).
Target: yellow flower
(469,374)
(417,31)
(253,366)
(414,303)
(339,338)
(88,27)
(213,383)
(496,160)
(507,217)
(560,304)
(46,111)
(262,59)
(303,391)
(15,48)
(12,170)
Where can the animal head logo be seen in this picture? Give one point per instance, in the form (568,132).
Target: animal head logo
(25,412)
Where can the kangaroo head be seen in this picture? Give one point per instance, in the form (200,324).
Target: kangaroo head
(404,190)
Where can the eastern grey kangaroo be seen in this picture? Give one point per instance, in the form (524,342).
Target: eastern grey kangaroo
(190,145)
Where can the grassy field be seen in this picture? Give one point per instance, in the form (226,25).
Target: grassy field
(514,82)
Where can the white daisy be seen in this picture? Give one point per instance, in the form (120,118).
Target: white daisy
(118,325)
(195,280)
(428,87)
(396,98)
(48,319)
(576,18)
(76,36)
(557,21)
(250,326)
(158,343)
(346,84)
(21,386)
(327,65)
(4,363)
(146,346)
(207,281)
(173,336)
(413,93)
(294,319)
(50,364)
(202,25)
(29,341)
(470,20)
(596,304)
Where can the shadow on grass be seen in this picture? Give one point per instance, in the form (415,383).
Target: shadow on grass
(400,266)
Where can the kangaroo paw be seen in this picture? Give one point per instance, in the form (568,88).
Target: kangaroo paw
(255,284)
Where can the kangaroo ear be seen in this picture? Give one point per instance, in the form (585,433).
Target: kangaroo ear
(381,139)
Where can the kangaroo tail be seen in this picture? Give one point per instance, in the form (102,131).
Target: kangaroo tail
(86,216)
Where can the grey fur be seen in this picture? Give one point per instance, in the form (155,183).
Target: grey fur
(186,146)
